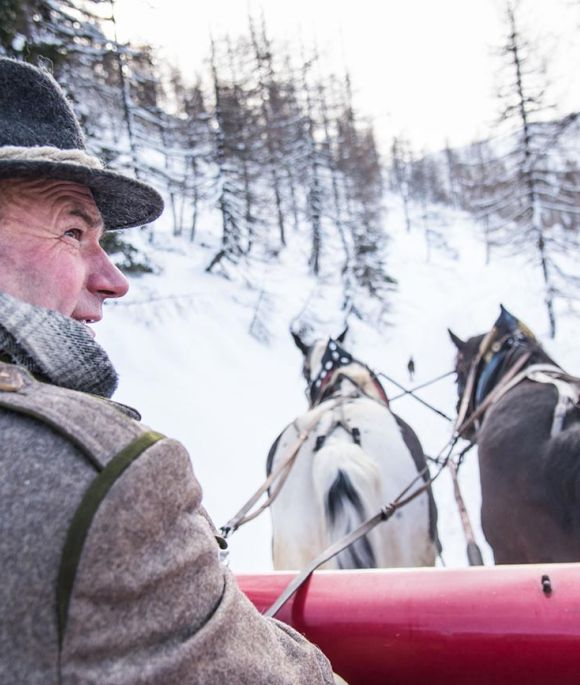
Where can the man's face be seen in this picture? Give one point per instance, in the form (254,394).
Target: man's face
(50,253)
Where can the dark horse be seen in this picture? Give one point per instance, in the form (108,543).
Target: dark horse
(528,442)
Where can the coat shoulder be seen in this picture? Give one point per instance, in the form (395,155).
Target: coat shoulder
(97,427)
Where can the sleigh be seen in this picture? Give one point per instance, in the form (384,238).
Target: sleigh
(498,625)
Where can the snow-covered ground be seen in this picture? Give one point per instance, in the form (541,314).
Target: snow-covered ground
(182,345)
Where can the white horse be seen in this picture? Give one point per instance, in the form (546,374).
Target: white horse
(356,456)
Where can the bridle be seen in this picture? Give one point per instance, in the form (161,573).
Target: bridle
(482,386)
(333,358)
(329,376)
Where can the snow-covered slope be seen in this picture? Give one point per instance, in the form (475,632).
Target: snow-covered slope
(183,348)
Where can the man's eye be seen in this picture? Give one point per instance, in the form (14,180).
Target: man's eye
(74,233)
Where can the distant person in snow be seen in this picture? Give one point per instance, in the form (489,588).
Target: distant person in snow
(109,563)
(411,368)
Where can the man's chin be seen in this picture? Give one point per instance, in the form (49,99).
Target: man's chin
(88,326)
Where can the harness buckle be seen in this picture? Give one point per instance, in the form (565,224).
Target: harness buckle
(387,511)
(225,531)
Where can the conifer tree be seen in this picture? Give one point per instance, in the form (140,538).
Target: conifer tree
(534,186)
(268,93)
(229,122)
(314,171)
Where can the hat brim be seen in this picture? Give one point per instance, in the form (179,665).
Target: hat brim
(123,202)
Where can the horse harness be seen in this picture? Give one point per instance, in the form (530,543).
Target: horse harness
(329,380)
(567,386)
(481,392)
(321,391)
(333,421)
(329,376)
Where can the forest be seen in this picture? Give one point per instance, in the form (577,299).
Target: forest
(266,147)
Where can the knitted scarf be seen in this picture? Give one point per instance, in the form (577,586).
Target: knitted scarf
(54,348)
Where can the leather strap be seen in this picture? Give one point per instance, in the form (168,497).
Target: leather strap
(19,393)
(383,515)
(83,517)
(277,476)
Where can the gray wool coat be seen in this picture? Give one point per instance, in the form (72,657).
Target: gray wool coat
(150,602)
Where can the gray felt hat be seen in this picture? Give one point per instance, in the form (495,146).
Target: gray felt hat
(41,137)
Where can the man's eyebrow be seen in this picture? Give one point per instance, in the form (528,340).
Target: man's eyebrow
(92,220)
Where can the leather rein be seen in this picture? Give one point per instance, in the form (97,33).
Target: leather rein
(279,475)
(567,386)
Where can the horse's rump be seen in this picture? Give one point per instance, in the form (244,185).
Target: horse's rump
(332,489)
(348,484)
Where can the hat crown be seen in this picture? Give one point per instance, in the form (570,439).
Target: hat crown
(40,137)
(34,110)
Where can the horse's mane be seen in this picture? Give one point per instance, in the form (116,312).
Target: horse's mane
(493,368)
(528,346)
(361,376)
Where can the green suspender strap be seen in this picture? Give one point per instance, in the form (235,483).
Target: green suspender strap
(81,522)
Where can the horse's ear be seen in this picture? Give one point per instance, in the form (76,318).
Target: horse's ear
(459,344)
(299,344)
(503,312)
(506,321)
(342,336)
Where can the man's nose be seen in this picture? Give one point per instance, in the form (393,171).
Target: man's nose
(105,279)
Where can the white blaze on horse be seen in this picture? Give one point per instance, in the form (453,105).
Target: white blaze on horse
(354,457)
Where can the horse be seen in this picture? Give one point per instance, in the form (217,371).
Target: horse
(352,457)
(525,420)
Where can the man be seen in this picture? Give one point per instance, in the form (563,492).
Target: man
(109,564)
(411,368)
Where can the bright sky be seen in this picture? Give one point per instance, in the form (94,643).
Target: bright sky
(422,68)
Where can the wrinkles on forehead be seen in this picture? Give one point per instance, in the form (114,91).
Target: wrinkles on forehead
(46,203)
(22,194)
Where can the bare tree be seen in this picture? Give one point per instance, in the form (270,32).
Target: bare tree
(400,174)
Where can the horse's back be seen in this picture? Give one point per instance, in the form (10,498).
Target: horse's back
(382,438)
(365,434)
(530,479)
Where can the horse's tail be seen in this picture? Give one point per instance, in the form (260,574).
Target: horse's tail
(348,485)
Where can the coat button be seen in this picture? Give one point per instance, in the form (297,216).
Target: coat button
(11,379)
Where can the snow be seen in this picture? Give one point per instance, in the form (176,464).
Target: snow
(188,362)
